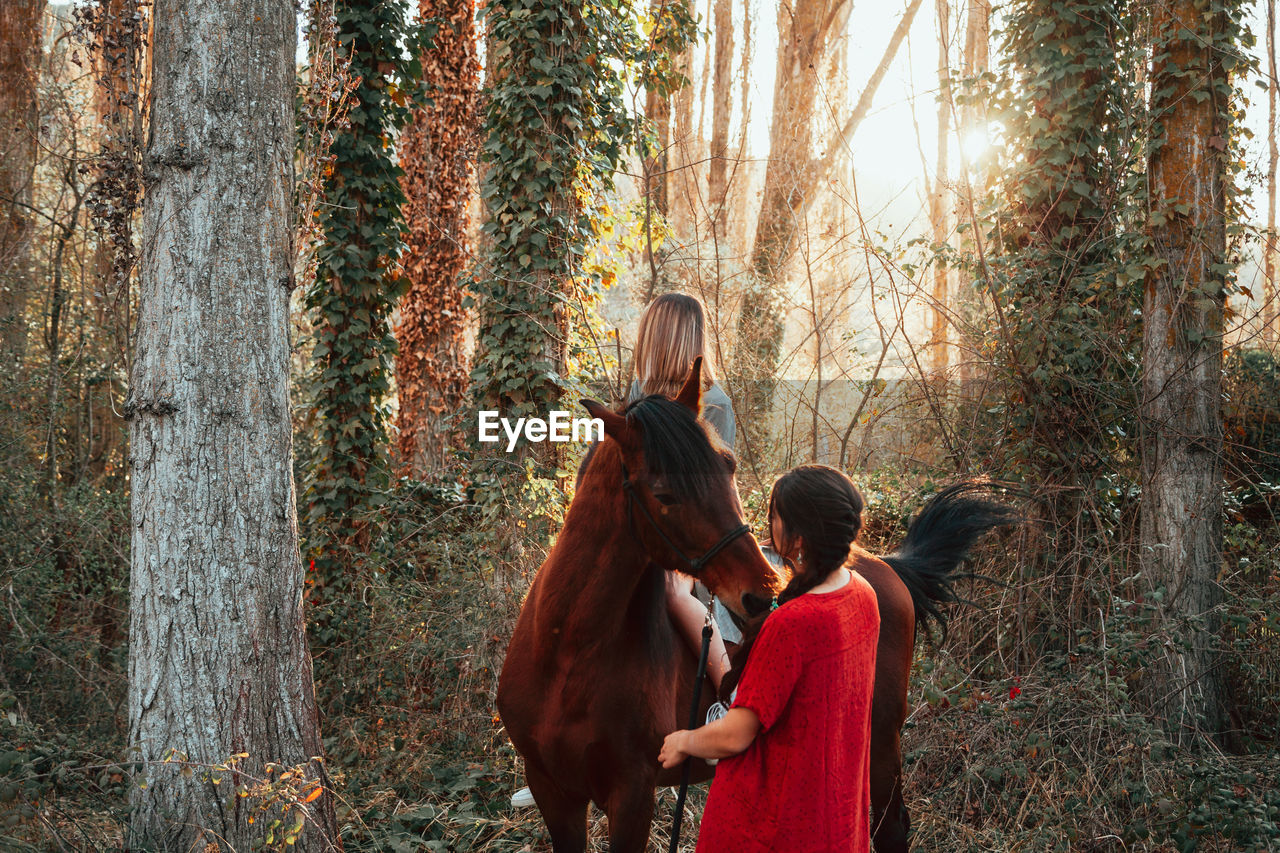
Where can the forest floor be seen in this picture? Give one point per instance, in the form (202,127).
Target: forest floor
(1005,749)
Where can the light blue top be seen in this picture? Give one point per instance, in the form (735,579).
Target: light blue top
(716,410)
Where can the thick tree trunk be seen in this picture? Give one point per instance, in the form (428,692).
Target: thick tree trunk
(1181,530)
(660,190)
(937,202)
(20,50)
(686,142)
(218,662)
(436,153)
(977,47)
(657,109)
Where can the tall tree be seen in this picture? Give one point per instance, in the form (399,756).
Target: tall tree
(671,32)
(554,133)
(977,46)
(937,201)
(657,110)
(1181,528)
(721,110)
(218,660)
(972,122)
(118,31)
(790,187)
(1271,294)
(436,153)
(356,287)
(20,49)
(1059,266)
(804,30)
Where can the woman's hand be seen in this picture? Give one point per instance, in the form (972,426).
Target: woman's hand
(729,735)
(673,749)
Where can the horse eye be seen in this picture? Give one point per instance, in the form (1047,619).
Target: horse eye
(666,499)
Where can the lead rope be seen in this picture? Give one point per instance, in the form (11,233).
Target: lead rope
(693,723)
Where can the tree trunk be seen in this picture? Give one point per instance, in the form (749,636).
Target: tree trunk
(803,31)
(1181,529)
(660,167)
(789,190)
(21,45)
(1271,294)
(436,153)
(682,186)
(937,202)
(977,46)
(657,109)
(120,30)
(218,663)
(721,111)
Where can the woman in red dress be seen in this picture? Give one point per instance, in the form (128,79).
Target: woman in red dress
(794,774)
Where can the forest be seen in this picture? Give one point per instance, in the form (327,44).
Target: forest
(265,264)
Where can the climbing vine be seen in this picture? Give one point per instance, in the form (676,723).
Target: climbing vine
(436,152)
(1061,265)
(556,129)
(357,283)
(1064,248)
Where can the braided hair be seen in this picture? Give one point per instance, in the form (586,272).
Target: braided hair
(822,507)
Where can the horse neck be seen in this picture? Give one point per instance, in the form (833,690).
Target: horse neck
(596,559)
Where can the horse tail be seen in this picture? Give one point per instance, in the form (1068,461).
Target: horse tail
(938,541)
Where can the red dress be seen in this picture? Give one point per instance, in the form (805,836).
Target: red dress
(803,786)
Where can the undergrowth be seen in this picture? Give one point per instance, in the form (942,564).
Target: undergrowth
(1007,748)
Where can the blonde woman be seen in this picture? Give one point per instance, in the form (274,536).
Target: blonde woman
(672,334)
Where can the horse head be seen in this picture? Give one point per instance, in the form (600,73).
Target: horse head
(682,499)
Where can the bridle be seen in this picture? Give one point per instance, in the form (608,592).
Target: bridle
(695,566)
(695,569)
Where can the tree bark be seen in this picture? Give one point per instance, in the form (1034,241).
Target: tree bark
(937,201)
(218,663)
(790,188)
(657,109)
(436,153)
(977,45)
(686,142)
(1181,526)
(21,39)
(721,111)
(1271,294)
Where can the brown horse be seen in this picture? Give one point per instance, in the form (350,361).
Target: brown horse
(910,583)
(596,674)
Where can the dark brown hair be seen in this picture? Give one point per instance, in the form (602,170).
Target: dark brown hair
(822,506)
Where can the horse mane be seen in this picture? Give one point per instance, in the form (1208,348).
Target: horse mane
(677,445)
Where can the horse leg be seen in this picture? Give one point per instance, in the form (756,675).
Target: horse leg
(565,816)
(889,818)
(630,811)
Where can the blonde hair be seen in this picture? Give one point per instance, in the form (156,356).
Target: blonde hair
(672,334)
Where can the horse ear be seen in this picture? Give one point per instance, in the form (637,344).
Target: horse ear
(691,394)
(615,425)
